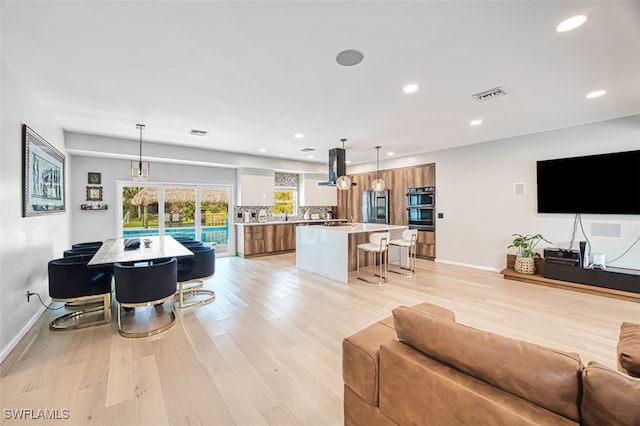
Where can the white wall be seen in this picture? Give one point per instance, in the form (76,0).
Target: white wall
(98,225)
(474,191)
(28,243)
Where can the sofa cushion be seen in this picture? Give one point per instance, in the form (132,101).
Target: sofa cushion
(629,349)
(609,397)
(360,353)
(544,376)
(418,390)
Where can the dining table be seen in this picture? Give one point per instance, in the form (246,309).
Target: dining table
(113,250)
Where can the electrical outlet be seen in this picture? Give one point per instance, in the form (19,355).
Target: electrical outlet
(29,294)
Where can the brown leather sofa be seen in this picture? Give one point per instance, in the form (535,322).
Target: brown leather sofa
(420,367)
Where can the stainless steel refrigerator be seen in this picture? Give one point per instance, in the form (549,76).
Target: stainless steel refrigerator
(375,206)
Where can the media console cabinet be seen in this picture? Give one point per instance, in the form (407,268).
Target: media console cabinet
(612,282)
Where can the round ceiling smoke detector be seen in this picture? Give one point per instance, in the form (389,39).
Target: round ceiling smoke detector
(349,58)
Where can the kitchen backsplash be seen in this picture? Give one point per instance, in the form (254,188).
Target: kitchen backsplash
(253,210)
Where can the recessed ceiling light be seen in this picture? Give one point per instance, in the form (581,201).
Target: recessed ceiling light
(263,149)
(596,94)
(349,58)
(298,136)
(571,23)
(476,122)
(390,154)
(348,162)
(410,88)
(309,156)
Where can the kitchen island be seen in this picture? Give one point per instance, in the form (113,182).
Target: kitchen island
(331,251)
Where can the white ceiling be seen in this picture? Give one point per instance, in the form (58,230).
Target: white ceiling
(256,73)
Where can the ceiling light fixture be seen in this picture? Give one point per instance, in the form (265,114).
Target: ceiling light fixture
(476,122)
(140,169)
(571,23)
(389,154)
(343,182)
(349,58)
(595,94)
(298,136)
(410,88)
(378,184)
(263,149)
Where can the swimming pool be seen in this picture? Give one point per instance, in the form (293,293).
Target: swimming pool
(210,234)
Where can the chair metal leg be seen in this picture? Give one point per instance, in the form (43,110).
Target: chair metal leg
(193,291)
(75,318)
(148,332)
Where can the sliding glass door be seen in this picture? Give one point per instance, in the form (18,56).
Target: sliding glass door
(170,209)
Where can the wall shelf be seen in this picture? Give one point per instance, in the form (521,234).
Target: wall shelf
(94,206)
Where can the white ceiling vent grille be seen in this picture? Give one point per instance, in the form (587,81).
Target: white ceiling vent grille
(489,94)
(197,132)
(308,149)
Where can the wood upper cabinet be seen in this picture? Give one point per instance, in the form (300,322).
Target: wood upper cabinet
(420,176)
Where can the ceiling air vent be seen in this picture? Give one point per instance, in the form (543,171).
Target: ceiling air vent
(308,149)
(197,132)
(489,94)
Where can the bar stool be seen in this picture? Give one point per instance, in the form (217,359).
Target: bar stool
(378,245)
(408,241)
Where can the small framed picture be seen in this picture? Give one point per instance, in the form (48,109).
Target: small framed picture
(94,193)
(94,178)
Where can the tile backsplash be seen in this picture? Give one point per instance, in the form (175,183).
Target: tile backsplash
(253,210)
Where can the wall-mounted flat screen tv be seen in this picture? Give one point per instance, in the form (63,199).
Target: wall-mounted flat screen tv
(600,184)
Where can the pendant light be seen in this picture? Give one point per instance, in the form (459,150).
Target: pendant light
(378,184)
(343,182)
(140,169)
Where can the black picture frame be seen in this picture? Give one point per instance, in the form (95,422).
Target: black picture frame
(43,176)
(94,178)
(94,193)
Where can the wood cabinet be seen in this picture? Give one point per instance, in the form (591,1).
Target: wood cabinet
(255,187)
(426,245)
(420,176)
(261,240)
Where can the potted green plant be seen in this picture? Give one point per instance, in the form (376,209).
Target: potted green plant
(524,246)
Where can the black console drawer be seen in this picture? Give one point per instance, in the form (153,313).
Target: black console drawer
(625,281)
(572,274)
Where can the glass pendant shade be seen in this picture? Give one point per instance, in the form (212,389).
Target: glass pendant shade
(378,185)
(343,183)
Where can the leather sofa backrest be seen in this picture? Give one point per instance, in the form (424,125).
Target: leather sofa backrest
(544,376)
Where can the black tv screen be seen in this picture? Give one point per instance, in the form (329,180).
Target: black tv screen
(600,184)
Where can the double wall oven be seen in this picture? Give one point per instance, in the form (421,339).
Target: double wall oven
(421,207)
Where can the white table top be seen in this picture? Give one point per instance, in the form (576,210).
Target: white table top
(112,250)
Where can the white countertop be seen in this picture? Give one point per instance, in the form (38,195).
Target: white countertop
(349,228)
(284,222)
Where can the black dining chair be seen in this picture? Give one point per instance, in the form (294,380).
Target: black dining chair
(89,251)
(88,244)
(182,239)
(140,284)
(192,272)
(72,281)
(190,244)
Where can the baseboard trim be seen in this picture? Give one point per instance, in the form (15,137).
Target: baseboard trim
(467,265)
(23,332)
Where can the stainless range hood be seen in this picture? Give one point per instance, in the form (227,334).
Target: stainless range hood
(337,166)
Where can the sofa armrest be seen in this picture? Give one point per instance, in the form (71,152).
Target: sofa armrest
(629,349)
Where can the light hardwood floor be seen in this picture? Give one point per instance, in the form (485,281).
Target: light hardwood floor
(268,350)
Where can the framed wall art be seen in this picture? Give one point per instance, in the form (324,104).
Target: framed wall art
(43,169)
(94,193)
(94,178)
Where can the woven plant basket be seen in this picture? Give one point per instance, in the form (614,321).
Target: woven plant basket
(525,265)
